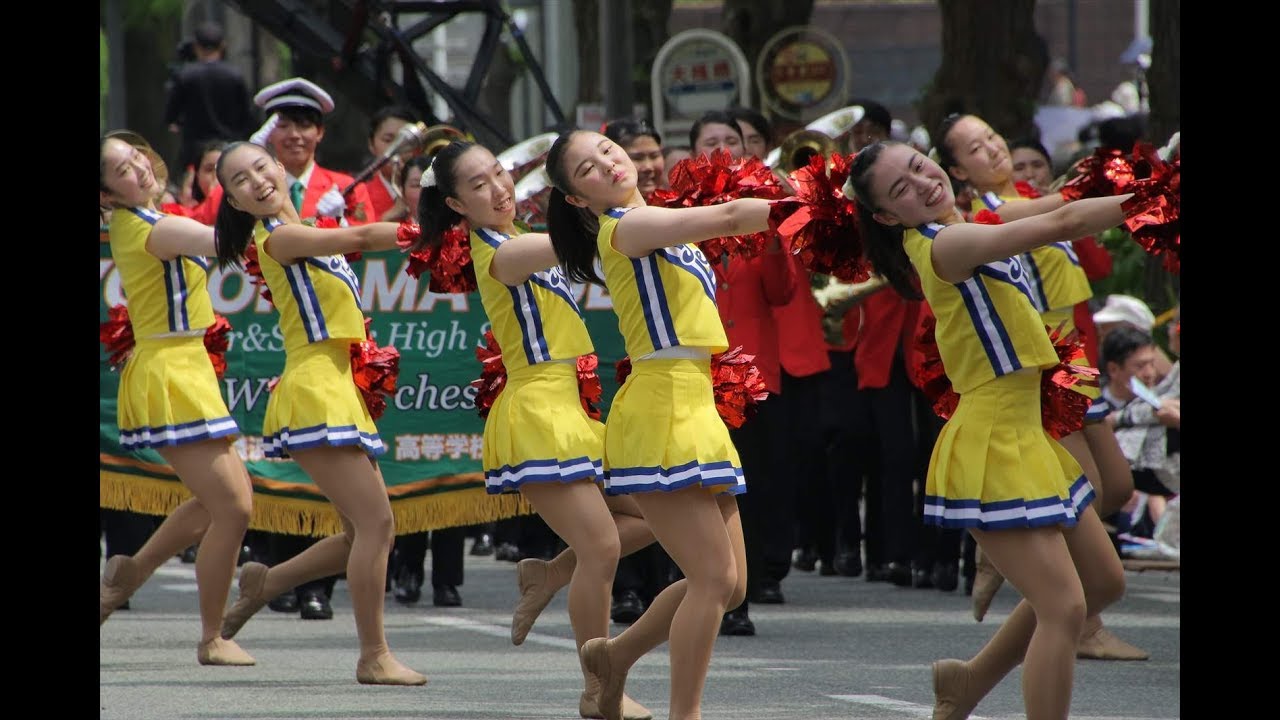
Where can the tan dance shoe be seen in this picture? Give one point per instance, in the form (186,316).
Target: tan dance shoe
(386,670)
(531,578)
(223,652)
(253,578)
(1097,643)
(986,581)
(951,699)
(120,579)
(631,710)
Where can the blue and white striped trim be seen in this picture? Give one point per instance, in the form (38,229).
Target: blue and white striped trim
(992,200)
(175,286)
(691,260)
(304,295)
(617,212)
(950,513)
(170,435)
(1098,410)
(653,301)
(509,478)
(151,216)
(989,327)
(337,266)
(1035,290)
(621,481)
(530,320)
(279,444)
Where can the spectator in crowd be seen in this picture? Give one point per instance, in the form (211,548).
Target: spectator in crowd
(209,98)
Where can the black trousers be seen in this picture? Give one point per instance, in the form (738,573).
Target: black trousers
(646,572)
(804,464)
(883,429)
(281,547)
(410,553)
(126,532)
(767,507)
(846,453)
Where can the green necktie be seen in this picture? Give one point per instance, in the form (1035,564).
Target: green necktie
(295,194)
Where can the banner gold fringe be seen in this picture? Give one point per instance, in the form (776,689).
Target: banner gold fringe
(318,518)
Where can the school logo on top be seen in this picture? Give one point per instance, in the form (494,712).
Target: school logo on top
(553,279)
(690,259)
(337,266)
(1010,271)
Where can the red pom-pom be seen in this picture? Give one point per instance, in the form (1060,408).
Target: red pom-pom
(254,269)
(589,388)
(987,217)
(116,334)
(623,369)
(216,343)
(1103,174)
(174,208)
(823,225)
(449,263)
(718,178)
(1062,408)
(738,386)
(375,371)
(493,374)
(1026,190)
(928,374)
(1154,214)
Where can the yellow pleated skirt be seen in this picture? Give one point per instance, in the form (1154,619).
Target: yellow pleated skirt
(994,466)
(537,431)
(663,432)
(169,395)
(316,403)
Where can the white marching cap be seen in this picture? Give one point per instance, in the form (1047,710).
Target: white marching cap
(293,92)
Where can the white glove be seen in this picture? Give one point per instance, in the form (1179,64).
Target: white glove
(260,136)
(331,204)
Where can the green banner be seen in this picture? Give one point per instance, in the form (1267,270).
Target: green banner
(431,429)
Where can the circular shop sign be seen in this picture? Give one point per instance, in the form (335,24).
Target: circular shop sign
(802,72)
(699,71)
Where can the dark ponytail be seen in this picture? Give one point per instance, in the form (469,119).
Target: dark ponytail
(573,229)
(881,243)
(434,216)
(232,228)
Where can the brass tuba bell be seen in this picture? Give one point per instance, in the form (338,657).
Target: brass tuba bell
(438,136)
(798,147)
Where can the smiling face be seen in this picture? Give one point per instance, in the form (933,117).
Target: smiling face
(484,192)
(646,155)
(718,136)
(253,181)
(908,188)
(600,174)
(294,141)
(127,176)
(982,156)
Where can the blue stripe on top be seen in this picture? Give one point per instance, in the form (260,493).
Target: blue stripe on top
(653,301)
(175,285)
(691,260)
(530,320)
(151,216)
(617,212)
(991,200)
(1038,298)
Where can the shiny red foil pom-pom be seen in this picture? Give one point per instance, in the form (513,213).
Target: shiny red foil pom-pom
(254,269)
(738,386)
(623,368)
(589,389)
(375,371)
(1062,408)
(449,263)
(821,223)
(1154,214)
(216,342)
(116,336)
(1105,173)
(987,217)
(928,374)
(1026,190)
(718,178)
(493,375)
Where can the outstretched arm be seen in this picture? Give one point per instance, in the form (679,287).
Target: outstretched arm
(521,256)
(645,229)
(960,248)
(296,241)
(1011,211)
(175,235)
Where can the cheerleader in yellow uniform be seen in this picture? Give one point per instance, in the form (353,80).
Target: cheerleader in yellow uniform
(315,414)
(994,469)
(665,444)
(975,153)
(538,439)
(169,398)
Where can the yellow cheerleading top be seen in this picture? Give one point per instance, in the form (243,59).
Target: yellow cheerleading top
(664,299)
(318,297)
(1057,281)
(986,325)
(165,297)
(535,321)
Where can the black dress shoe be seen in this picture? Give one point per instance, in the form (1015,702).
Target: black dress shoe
(189,555)
(286,602)
(446,596)
(408,586)
(849,563)
(899,574)
(315,606)
(877,572)
(921,578)
(508,552)
(827,568)
(805,560)
(736,622)
(246,554)
(482,546)
(626,608)
(946,575)
(769,593)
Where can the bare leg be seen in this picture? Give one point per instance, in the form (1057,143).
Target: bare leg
(125,574)
(1113,468)
(961,685)
(703,534)
(540,580)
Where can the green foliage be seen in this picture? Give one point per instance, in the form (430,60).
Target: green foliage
(141,14)
(102,80)
(1128,266)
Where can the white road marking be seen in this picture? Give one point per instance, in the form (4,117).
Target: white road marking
(502,631)
(181,587)
(885,703)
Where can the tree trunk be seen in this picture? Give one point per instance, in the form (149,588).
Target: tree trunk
(495,96)
(649,27)
(1164,84)
(993,65)
(149,58)
(751,23)
(586,21)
